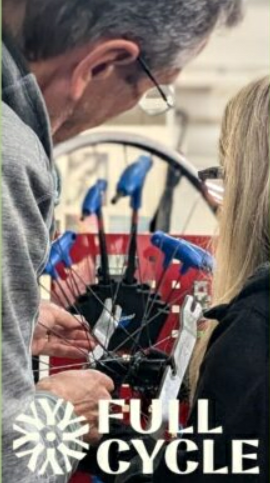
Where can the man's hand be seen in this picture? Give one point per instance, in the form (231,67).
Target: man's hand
(84,389)
(61,334)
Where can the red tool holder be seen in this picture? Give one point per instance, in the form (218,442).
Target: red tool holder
(150,268)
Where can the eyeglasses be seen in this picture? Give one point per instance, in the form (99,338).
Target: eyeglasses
(213,178)
(217,172)
(158,100)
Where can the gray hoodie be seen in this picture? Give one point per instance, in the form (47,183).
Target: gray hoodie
(27,204)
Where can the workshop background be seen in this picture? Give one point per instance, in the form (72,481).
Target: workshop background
(231,60)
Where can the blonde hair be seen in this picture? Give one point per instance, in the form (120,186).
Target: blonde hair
(243,241)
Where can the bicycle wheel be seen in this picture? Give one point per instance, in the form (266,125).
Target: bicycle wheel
(118,281)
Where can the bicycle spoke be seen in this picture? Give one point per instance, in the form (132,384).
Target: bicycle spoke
(190,214)
(151,294)
(111,314)
(73,280)
(82,322)
(64,339)
(178,281)
(53,368)
(149,322)
(85,325)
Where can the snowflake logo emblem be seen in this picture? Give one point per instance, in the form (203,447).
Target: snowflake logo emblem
(50,437)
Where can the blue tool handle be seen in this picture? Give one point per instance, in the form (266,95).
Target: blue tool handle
(60,252)
(190,255)
(51,270)
(53,260)
(132,181)
(93,201)
(63,245)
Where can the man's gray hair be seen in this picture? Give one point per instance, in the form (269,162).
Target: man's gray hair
(167,31)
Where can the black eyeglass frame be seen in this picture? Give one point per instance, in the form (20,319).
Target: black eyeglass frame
(216,172)
(148,72)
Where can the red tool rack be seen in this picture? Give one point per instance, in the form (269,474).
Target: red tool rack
(149,263)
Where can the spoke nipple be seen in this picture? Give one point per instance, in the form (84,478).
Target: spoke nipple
(126,357)
(175,334)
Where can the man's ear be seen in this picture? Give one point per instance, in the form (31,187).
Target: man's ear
(101,62)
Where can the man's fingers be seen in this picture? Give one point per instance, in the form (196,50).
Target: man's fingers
(65,351)
(105,381)
(69,321)
(93,437)
(64,324)
(76,334)
(73,338)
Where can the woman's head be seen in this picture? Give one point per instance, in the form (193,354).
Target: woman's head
(243,242)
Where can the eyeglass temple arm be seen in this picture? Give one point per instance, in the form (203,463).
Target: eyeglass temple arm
(211,173)
(150,75)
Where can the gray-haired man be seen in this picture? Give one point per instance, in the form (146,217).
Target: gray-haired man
(84,53)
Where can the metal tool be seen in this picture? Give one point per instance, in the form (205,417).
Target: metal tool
(92,205)
(190,315)
(131,184)
(104,329)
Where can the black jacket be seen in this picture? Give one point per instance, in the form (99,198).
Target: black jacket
(234,377)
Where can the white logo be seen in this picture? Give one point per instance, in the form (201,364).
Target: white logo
(49,445)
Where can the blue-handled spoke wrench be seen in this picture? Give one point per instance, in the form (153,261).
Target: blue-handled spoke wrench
(60,253)
(131,185)
(92,205)
(190,255)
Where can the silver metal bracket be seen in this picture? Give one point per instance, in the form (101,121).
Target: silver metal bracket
(191,313)
(105,328)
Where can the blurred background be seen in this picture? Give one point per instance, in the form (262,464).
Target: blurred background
(231,60)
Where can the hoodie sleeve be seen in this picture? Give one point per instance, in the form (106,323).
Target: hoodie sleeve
(27,201)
